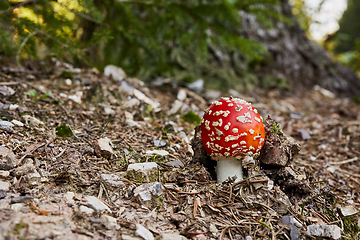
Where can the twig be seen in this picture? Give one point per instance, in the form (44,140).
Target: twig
(23,44)
(43,212)
(319,215)
(345,161)
(20,4)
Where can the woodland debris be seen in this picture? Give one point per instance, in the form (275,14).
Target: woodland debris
(4,174)
(4,185)
(7,157)
(112,180)
(171,236)
(294,230)
(278,150)
(96,204)
(145,167)
(85,210)
(347,211)
(102,148)
(143,232)
(109,222)
(115,72)
(6,126)
(147,190)
(325,231)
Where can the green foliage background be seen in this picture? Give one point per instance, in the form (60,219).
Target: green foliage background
(179,39)
(345,43)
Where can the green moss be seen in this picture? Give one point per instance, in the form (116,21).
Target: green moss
(191,117)
(140,177)
(19,226)
(275,128)
(351,227)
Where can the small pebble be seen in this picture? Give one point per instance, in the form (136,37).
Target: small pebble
(21,199)
(94,220)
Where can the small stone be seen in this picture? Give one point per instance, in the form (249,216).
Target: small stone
(172,236)
(159,143)
(102,148)
(147,190)
(4,174)
(6,126)
(112,180)
(325,231)
(248,238)
(132,123)
(69,197)
(294,231)
(76,97)
(13,107)
(115,72)
(32,121)
(143,232)
(7,154)
(4,186)
(2,193)
(142,97)
(85,210)
(161,153)
(17,207)
(21,199)
(181,95)
(146,167)
(96,204)
(94,220)
(175,164)
(17,123)
(133,102)
(175,107)
(6,91)
(68,82)
(348,211)
(197,86)
(109,222)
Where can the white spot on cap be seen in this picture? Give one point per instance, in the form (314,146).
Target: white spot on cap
(218,132)
(251,131)
(226,113)
(227,154)
(257,119)
(235,130)
(207,122)
(247,114)
(227,126)
(243,142)
(235,145)
(210,111)
(231,138)
(217,103)
(230,104)
(243,119)
(219,123)
(238,108)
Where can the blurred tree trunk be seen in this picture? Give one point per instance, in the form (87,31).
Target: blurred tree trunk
(297,59)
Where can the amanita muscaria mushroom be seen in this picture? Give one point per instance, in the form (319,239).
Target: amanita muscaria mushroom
(231,129)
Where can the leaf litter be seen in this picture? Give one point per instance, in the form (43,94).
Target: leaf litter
(64,171)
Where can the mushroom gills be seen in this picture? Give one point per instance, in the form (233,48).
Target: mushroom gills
(228,168)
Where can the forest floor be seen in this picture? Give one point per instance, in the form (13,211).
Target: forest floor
(70,162)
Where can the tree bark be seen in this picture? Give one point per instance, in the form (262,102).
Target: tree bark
(299,60)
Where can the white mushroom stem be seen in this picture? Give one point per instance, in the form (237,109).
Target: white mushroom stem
(228,168)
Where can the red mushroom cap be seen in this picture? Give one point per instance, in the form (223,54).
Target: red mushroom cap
(232,128)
